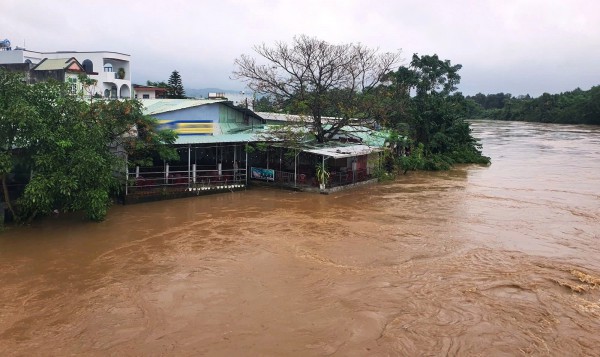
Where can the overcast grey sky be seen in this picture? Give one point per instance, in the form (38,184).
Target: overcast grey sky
(510,46)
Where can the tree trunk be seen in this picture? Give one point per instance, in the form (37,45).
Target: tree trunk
(7,196)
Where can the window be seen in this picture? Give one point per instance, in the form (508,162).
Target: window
(146,96)
(88,66)
(108,67)
(72,85)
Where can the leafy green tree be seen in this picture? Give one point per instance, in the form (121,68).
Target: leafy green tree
(423,99)
(71,163)
(161,84)
(146,142)
(75,150)
(18,119)
(392,101)
(574,107)
(175,88)
(590,108)
(88,85)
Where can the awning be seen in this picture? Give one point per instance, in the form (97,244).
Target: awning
(340,152)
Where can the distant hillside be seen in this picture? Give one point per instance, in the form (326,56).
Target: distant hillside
(203,92)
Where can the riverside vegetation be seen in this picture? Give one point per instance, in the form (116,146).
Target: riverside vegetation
(347,83)
(68,150)
(572,107)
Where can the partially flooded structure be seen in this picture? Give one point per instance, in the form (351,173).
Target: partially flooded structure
(223,147)
(212,137)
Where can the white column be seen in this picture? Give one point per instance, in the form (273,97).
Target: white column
(126,180)
(166,173)
(189,162)
(323,163)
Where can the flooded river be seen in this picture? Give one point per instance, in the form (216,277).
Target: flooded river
(490,261)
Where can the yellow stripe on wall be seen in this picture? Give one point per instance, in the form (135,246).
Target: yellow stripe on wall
(195,128)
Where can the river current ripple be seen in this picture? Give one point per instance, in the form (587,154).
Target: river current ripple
(498,260)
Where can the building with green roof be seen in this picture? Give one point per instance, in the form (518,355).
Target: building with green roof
(223,146)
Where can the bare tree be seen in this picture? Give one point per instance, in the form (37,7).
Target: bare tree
(318,78)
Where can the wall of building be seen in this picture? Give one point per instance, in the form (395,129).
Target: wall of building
(15,56)
(192,121)
(16,67)
(43,76)
(209,119)
(75,85)
(230,115)
(141,93)
(106,80)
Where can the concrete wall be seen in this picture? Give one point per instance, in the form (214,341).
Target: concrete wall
(15,56)
(140,93)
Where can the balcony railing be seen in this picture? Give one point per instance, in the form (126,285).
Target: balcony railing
(182,179)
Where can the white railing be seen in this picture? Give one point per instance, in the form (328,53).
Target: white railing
(183,179)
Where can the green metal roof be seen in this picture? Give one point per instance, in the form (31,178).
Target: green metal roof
(157,106)
(214,139)
(342,151)
(55,64)
(371,137)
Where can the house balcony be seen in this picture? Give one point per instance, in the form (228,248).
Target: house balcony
(112,77)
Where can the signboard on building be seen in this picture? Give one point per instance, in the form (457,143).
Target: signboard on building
(262,174)
(188,127)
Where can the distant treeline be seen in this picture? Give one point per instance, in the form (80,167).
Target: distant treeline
(574,107)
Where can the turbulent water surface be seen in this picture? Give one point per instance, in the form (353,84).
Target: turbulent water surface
(499,260)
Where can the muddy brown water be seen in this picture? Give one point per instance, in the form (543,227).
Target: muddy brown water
(501,260)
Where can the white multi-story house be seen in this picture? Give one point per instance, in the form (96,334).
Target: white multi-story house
(111,70)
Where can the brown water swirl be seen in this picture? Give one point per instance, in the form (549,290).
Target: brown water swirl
(499,260)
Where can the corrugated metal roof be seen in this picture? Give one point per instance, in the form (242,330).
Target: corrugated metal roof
(157,106)
(369,136)
(366,135)
(285,117)
(214,139)
(340,152)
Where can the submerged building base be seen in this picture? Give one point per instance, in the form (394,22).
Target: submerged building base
(160,194)
(310,188)
(166,193)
